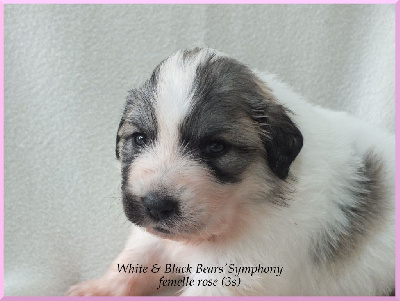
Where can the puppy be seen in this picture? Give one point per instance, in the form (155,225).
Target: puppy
(235,185)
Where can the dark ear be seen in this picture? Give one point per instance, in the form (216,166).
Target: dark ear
(117,147)
(282,139)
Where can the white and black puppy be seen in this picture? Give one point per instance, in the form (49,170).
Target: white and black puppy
(226,171)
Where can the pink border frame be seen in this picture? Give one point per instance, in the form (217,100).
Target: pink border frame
(199,2)
(397,129)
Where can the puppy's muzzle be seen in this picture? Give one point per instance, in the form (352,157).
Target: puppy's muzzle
(159,208)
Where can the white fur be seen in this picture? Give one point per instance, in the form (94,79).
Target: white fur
(269,235)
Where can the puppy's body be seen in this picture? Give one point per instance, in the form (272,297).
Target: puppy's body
(295,186)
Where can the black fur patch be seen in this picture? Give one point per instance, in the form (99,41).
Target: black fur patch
(226,96)
(363,216)
(138,117)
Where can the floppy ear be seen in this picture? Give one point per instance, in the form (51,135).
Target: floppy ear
(281,138)
(117,142)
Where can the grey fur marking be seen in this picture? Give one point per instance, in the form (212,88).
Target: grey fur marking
(139,113)
(221,111)
(228,97)
(189,55)
(341,243)
(139,116)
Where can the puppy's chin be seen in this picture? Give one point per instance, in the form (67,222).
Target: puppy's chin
(187,238)
(190,235)
(168,232)
(174,231)
(156,229)
(161,232)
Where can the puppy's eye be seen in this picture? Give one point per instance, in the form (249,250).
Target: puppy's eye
(139,139)
(215,148)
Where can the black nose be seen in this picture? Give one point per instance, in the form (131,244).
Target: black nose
(159,208)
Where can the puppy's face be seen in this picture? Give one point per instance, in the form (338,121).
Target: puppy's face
(198,143)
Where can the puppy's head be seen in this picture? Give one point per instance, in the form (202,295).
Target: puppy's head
(198,143)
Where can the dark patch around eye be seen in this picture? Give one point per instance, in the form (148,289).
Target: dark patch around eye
(215,148)
(139,116)
(220,90)
(140,139)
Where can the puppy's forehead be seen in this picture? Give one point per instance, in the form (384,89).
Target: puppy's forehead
(176,82)
(202,90)
(193,93)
